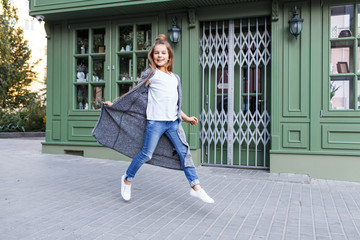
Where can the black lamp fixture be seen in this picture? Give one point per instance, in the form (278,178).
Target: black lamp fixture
(174,32)
(296,24)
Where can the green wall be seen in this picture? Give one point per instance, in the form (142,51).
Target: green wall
(69,128)
(306,137)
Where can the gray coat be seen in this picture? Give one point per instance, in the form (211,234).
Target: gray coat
(121,127)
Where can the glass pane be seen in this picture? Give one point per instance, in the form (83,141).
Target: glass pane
(341,57)
(255,81)
(98,70)
(82,69)
(124,88)
(222,81)
(251,104)
(82,97)
(143,37)
(97,96)
(126,36)
(342,21)
(358,57)
(126,68)
(82,44)
(222,103)
(142,64)
(341,93)
(99,40)
(358,95)
(358,25)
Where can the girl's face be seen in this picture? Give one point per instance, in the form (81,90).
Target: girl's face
(161,56)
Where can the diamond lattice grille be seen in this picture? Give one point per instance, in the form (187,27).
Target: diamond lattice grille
(235,60)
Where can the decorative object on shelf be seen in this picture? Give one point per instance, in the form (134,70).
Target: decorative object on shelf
(174,32)
(99,43)
(86,106)
(342,67)
(296,24)
(333,89)
(81,77)
(122,49)
(128,48)
(147,45)
(101,49)
(81,68)
(83,44)
(140,39)
(80,104)
(82,96)
(97,103)
(128,39)
(124,76)
(345,33)
(98,70)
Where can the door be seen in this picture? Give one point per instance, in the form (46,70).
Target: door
(235,62)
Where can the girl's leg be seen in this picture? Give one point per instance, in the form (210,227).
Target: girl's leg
(153,132)
(182,149)
(190,173)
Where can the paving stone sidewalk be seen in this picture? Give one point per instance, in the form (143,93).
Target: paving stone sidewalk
(45,196)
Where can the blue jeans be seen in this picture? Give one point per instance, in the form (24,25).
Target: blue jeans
(153,132)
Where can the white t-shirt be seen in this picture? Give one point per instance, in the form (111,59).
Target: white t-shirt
(162,97)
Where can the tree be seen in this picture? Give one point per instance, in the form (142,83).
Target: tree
(16,71)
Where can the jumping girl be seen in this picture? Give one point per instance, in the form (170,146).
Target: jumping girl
(163,117)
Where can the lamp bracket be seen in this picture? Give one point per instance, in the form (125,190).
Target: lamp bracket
(174,21)
(191,17)
(275,10)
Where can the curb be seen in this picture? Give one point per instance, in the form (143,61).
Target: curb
(21,134)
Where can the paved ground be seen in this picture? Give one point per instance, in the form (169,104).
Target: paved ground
(44,196)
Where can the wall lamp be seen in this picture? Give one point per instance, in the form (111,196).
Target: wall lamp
(174,32)
(296,24)
(40,18)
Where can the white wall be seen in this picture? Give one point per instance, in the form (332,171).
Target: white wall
(34,33)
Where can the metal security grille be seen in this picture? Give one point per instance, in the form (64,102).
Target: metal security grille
(235,61)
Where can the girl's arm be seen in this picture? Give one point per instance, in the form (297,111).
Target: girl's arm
(192,120)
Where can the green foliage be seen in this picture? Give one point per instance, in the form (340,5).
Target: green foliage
(28,119)
(16,73)
(11,122)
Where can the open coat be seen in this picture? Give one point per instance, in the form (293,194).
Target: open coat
(121,127)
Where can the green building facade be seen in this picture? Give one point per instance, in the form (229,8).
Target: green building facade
(264,98)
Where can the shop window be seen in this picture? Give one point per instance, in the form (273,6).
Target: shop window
(95,66)
(344,57)
(89,79)
(134,41)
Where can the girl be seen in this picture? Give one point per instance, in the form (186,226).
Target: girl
(162,114)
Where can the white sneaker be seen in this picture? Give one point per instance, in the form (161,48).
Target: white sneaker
(125,189)
(202,195)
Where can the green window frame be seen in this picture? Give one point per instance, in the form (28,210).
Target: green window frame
(102,67)
(133,42)
(344,59)
(89,58)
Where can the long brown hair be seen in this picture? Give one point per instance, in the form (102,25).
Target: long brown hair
(161,39)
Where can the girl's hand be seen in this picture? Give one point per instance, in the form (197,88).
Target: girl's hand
(108,103)
(192,120)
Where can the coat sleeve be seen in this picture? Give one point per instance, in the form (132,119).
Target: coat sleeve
(122,127)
